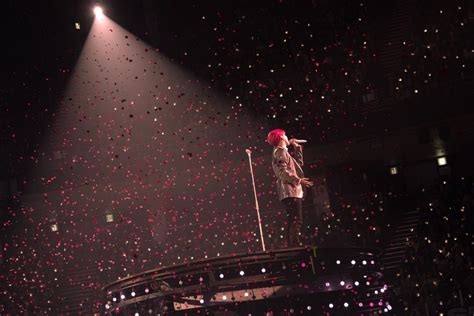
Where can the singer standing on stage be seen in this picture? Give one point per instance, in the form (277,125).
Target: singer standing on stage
(290,181)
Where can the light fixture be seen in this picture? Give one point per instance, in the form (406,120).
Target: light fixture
(393,170)
(442,161)
(109,217)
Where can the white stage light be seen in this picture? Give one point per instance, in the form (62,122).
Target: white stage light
(99,13)
(109,217)
(393,170)
(442,161)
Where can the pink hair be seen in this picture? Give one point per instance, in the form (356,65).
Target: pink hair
(274,136)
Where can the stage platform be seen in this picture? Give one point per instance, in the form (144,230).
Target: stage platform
(306,280)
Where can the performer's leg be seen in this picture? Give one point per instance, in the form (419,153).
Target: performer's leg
(298,221)
(294,219)
(289,216)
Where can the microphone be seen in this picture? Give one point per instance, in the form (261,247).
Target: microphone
(299,141)
(248,151)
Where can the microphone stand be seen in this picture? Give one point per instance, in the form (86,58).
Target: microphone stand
(249,153)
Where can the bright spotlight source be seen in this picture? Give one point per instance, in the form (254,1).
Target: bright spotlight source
(77,26)
(99,13)
(54,227)
(442,161)
(242,273)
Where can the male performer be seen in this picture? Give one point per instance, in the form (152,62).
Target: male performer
(290,179)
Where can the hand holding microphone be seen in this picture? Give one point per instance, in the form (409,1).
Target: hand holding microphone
(296,142)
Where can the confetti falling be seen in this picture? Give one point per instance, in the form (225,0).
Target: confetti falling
(130,146)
